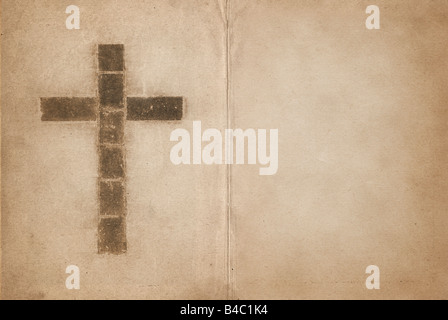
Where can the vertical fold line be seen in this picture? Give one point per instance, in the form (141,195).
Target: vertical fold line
(229,263)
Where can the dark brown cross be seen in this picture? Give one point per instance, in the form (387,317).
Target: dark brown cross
(110,109)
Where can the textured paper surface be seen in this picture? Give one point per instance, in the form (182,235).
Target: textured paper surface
(362,176)
(362,149)
(176,215)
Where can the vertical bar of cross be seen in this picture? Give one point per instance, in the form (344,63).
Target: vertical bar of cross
(112,162)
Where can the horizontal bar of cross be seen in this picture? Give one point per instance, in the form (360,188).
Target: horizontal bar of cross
(85,109)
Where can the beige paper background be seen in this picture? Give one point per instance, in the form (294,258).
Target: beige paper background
(176,226)
(362,125)
(0,167)
(362,151)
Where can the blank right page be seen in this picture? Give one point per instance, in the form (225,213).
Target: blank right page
(362,149)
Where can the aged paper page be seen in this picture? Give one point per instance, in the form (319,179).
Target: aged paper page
(176,222)
(92,183)
(362,177)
